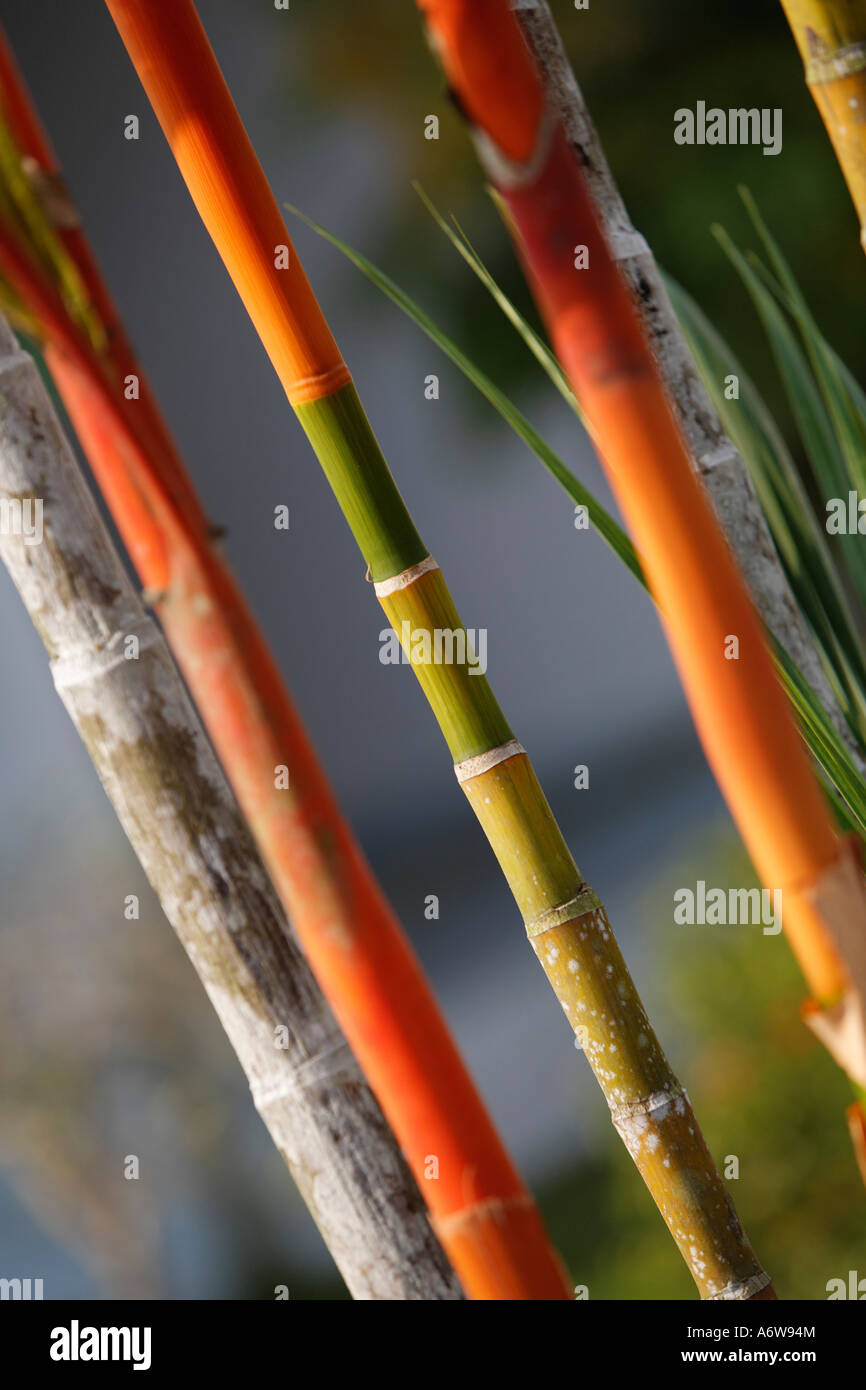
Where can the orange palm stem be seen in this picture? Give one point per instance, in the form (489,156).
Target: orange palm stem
(739,709)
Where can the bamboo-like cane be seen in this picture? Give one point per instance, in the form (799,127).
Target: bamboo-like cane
(114,674)
(738,706)
(714,458)
(566,922)
(831,37)
(350,935)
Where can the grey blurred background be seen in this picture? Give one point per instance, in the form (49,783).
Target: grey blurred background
(108,1046)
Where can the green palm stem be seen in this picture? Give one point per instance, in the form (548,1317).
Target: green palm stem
(831,37)
(565,921)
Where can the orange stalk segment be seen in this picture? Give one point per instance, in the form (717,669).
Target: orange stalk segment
(231,193)
(497,88)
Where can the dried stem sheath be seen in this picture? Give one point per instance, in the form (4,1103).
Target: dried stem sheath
(114,674)
(740,711)
(713,457)
(566,922)
(831,37)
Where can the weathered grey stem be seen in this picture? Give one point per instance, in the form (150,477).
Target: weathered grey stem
(713,455)
(117,680)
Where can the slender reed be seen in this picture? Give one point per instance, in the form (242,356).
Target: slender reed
(352,939)
(566,922)
(116,678)
(713,456)
(738,706)
(831,37)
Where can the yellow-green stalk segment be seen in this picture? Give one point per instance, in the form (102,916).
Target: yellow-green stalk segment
(565,921)
(831,37)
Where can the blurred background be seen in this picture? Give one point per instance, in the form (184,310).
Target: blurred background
(108,1046)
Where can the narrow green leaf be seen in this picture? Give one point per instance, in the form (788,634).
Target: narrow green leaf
(849,426)
(823,741)
(599,517)
(807,405)
(536,344)
(801,545)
